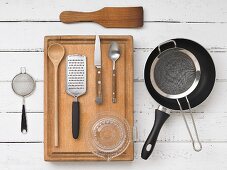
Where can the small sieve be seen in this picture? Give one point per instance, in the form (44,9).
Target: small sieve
(23,85)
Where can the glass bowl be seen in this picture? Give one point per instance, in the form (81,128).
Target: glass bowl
(108,135)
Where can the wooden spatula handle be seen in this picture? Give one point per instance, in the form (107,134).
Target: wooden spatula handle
(73,16)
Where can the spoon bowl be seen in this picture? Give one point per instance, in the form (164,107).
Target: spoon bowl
(114,51)
(56,53)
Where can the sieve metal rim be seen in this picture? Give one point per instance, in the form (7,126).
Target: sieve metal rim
(27,75)
(194,84)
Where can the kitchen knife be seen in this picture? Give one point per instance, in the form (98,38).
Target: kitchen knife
(97,62)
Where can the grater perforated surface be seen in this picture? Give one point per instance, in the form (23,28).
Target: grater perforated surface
(76,75)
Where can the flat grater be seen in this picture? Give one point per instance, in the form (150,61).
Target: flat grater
(75,86)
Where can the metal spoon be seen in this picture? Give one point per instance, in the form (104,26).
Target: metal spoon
(56,52)
(114,54)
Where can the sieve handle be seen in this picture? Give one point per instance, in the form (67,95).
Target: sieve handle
(198,147)
(75,119)
(168,41)
(160,118)
(23,120)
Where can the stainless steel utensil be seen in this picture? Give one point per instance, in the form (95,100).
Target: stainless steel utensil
(23,85)
(75,86)
(98,65)
(114,54)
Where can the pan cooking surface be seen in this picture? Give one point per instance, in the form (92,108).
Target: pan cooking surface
(207,77)
(174,72)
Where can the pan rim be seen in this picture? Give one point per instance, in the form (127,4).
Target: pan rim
(207,72)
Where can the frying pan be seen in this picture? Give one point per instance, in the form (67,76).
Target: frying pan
(198,91)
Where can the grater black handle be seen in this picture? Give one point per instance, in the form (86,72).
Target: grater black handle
(75,119)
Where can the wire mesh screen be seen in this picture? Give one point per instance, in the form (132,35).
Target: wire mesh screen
(174,72)
(23,84)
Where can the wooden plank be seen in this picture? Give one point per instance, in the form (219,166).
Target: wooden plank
(12,61)
(215,103)
(171,11)
(10,102)
(25,37)
(219,58)
(10,125)
(33,61)
(211,127)
(143,102)
(171,156)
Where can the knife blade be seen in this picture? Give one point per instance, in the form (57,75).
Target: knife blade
(98,66)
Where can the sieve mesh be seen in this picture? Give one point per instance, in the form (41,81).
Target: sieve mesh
(174,72)
(23,84)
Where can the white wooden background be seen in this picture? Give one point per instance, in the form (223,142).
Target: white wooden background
(23,25)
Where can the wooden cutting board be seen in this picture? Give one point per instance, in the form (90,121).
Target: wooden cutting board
(77,149)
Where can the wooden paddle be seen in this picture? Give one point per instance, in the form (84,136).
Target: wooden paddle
(110,17)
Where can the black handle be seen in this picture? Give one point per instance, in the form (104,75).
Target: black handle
(160,118)
(23,120)
(75,119)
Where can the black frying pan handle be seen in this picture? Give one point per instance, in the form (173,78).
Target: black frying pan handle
(160,118)
(75,119)
(23,120)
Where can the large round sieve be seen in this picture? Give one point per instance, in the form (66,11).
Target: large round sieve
(175,73)
(23,85)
